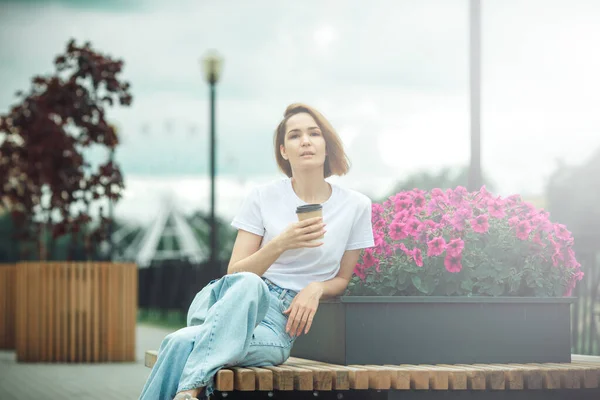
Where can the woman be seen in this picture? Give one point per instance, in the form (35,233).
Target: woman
(278,271)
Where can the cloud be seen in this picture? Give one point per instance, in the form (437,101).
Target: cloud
(391,76)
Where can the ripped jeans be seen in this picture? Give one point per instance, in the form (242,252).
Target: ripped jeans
(235,320)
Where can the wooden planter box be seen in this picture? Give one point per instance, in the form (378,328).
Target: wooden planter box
(438,330)
(7,307)
(75,312)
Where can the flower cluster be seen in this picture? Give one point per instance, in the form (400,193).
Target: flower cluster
(456,242)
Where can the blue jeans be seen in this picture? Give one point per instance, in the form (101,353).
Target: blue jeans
(235,320)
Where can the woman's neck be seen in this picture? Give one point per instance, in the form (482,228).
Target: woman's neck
(311,189)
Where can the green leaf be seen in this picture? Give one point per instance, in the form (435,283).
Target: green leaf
(419,284)
(496,289)
(402,275)
(467,285)
(451,288)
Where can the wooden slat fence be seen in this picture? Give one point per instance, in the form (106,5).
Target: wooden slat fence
(7,307)
(75,312)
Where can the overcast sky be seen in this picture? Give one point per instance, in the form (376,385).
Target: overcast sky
(392,76)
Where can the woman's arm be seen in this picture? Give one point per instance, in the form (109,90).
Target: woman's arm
(304,306)
(248,256)
(337,286)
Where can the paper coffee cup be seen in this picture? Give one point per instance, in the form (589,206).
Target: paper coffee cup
(310,211)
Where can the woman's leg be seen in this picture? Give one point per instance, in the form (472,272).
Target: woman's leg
(227,312)
(270,344)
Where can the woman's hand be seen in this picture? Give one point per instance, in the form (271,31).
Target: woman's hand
(301,234)
(303,308)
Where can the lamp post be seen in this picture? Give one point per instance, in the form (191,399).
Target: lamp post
(212,64)
(475,180)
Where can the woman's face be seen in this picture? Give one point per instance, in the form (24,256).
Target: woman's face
(304,144)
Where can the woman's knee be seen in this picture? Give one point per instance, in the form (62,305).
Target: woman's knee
(249,280)
(183,336)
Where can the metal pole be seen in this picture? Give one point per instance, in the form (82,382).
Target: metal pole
(111,214)
(475,180)
(213,223)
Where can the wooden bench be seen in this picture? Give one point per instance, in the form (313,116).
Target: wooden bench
(300,378)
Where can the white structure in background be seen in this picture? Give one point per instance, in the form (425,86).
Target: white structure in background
(169,237)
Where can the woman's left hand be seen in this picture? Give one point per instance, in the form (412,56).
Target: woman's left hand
(303,308)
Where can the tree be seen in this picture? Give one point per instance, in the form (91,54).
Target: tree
(573,194)
(47,182)
(446,178)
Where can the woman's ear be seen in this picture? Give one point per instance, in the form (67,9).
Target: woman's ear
(283,153)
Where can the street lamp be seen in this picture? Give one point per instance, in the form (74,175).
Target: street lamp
(212,65)
(475,180)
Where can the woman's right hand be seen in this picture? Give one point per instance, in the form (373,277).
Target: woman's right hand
(301,234)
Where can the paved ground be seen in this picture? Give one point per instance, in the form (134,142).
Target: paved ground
(122,381)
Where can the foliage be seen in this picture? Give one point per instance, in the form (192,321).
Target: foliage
(445,178)
(573,194)
(453,242)
(43,139)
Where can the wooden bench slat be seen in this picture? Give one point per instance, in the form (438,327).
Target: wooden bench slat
(513,377)
(358,379)
(304,375)
(378,379)
(476,379)
(494,380)
(224,380)
(438,376)
(590,374)
(340,379)
(534,378)
(303,378)
(244,379)
(402,378)
(264,378)
(283,379)
(150,358)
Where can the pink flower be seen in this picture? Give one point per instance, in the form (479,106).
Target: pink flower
(432,206)
(561,232)
(417,256)
(369,259)
(455,247)
(439,193)
(480,224)
(576,277)
(419,201)
(537,239)
(379,225)
(460,217)
(496,208)
(412,226)
(401,216)
(523,230)
(571,260)
(422,234)
(457,195)
(436,246)
(398,231)
(376,211)
(557,259)
(360,272)
(513,200)
(513,221)
(406,251)
(453,263)
(402,205)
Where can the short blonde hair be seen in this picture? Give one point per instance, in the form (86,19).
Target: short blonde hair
(336,161)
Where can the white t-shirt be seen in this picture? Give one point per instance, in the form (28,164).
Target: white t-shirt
(269,209)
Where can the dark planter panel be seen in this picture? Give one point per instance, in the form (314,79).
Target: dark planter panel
(439,330)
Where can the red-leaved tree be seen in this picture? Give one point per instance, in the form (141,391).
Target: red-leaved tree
(46,180)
